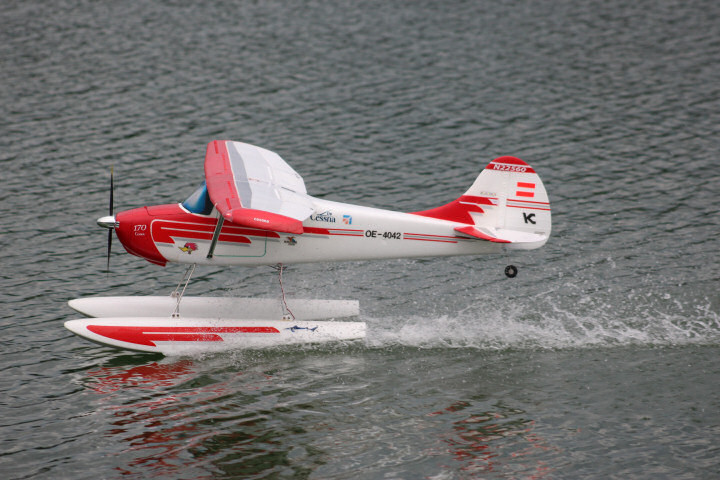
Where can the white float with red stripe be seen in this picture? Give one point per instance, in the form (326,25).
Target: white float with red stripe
(189,336)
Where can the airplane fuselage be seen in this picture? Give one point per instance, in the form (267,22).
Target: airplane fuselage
(253,209)
(339,232)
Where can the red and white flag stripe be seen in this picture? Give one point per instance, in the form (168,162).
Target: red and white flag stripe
(525,189)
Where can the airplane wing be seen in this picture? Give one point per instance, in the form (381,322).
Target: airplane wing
(254,187)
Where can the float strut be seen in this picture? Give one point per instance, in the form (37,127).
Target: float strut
(178,294)
(287,313)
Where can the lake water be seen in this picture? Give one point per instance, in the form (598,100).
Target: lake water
(600,360)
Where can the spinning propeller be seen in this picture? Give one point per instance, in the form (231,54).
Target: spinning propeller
(109,221)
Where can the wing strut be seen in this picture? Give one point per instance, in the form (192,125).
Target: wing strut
(215,236)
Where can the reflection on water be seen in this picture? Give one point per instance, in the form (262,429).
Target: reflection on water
(501,441)
(150,376)
(315,414)
(171,418)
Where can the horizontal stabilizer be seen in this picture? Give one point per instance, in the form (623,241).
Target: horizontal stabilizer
(502,235)
(477,233)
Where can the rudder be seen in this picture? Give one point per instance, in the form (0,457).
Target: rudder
(507,203)
(520,202)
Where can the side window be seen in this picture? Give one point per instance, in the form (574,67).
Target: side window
(199,202)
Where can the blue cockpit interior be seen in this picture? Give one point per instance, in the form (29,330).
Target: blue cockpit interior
(199,202)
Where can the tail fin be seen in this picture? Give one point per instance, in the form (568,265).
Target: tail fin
(506,204)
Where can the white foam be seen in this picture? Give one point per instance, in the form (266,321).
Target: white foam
(551,325)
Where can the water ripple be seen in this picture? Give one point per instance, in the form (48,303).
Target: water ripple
(464,373)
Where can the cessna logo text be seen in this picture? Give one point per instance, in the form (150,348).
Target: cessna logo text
(323,217)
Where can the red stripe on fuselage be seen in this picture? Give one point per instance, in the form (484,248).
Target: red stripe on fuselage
(430,238)
(164,230)
(342,232)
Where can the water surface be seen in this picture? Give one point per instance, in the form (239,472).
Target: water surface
(598,361)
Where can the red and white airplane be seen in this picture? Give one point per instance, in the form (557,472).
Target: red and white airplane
(253,209)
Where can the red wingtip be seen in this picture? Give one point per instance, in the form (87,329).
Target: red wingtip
(248,217)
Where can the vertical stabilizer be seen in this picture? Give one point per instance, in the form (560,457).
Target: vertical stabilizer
(506,204)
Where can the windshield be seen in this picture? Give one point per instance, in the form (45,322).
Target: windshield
(199,202)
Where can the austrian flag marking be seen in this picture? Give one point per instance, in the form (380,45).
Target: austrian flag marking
(525,189)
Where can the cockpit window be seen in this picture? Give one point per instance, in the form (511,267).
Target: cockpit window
(199,202)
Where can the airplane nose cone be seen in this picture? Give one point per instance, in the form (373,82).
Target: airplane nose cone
(134,230)
(108,222)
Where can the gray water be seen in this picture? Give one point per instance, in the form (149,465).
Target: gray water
(600,360)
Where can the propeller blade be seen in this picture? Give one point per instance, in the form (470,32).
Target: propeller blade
(111,190)
(110,232)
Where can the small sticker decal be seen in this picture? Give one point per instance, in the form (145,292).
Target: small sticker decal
(295,328)
(189,247)
(291,241)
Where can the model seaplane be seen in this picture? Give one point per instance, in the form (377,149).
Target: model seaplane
(253,209)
